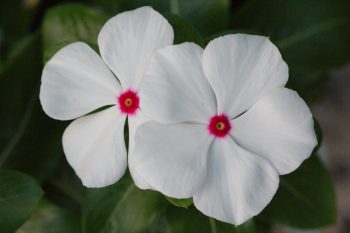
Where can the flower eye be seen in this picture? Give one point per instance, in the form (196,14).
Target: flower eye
(219,126)
(129,102)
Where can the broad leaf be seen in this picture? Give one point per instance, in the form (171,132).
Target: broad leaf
(49,217)
(69,23)
(305,198)
(190,220)
(19,196)
(75,22)
(120,208)
(184,31)
(313,37)
(207,15)
(124,208)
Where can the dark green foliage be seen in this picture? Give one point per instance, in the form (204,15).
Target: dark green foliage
(209,16)
(19,196)
(120,208)
(70,23)
(49,217)
(313,37)
(305,198)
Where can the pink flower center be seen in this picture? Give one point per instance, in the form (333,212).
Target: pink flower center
(129,102)
(219,126)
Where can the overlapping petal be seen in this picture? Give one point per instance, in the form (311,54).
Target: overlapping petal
(134,123)
(175,89)
(238,185)
(278,127)
(172,158)
(241,68)
(75,82)
(94,146)
(128,40)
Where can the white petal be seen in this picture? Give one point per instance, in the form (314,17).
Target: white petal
(278,127)
(175,89)
(172,158)
(128,40)
(75,82)
(238,184)
(95,148)
(241,68)
(134,122)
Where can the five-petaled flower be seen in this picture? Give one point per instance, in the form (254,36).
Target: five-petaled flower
(225,126)
(76,82)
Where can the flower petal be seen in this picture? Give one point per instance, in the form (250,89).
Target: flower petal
(75,82)
(134,123)
(238,184)
(172,158)
(241,68)
(95,148)
(278,127)
(128,40)
(175,89)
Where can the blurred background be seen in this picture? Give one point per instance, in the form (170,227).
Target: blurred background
(313,37)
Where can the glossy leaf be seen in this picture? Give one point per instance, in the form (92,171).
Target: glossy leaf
(50,218)
(120,208)
(305,198)
(19,196)
(313,37)
(69,23)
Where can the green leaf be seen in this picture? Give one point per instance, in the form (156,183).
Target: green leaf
(185,203)
(247,227)
(124,208)
(69,23)
(74,22)
(120,208)
(207,15)
(35,146)
(19,77)
(49,217)
(184,31)
(115,7)
(27,134)
(263,226)
(305,198)
(313,38)
(19,195)
(190,220)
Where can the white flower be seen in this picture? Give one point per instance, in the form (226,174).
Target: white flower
(76,81)
(227,129)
